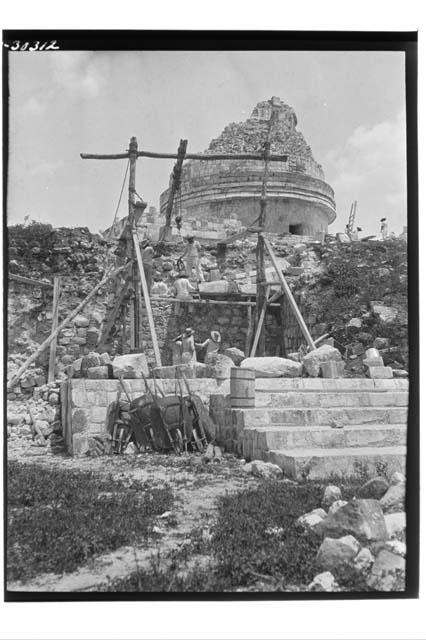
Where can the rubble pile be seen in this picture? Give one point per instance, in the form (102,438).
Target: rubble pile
(363,537)
(250,136)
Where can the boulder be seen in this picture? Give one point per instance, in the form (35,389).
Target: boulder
(159,289)
(331,494)
(397,546)
(395,523)
(386,314)
(91,360)
(333,369)
(105,358)
(338,504)
(53,398)
(374,488)
(355,323)
(81,321)
(397,478)
(131,365)
(324,582)
(236,355)
(308,521)
(273,367)
(15,418)
(400,373)
(394,498)
(314,359)
(361,518)
(80,445)
(387,572)
(363,560)
(337,553)
(219,366)
(381,343)
(262,469)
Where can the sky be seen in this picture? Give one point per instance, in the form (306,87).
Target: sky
(350,107)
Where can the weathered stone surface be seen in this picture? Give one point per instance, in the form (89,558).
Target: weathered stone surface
(361,518)
(355,323)
(98,373)
(43,426)
(273,367)
(395,523)
(394,498)
(400,373)
(80,445)
(81,321)
(324,582)
(262,469)
(381,343)
(373,362)
(331,494)
(374,488)
(386,314)
(236,355)
(387,572)
(397,478)
(396,546)
(314,359)
(79,420)
(308,521)
(337,553)
(219,366)
(104,358)
(338,504)
(363,560)
(380,372)
(92,359)
(333,369)
(53,398)
(131,365)
(15,418)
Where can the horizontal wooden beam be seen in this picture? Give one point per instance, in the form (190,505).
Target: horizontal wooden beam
(236,303)
(31,281)
(188,156)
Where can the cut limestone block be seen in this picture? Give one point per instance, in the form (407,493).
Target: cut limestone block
(131,365)
(333,369)
(314,359)
(380,372)
(273,367)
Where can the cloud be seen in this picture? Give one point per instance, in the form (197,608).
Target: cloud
(371,168)
(80,74)
(33,107)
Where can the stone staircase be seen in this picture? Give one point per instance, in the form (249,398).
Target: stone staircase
(317,428)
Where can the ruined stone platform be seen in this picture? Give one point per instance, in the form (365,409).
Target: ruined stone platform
(317,428)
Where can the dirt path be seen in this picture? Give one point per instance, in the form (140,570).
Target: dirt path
(196,486)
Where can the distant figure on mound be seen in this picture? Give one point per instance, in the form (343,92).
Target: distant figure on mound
(191,258)
(185,343)
(182,288)
(384,230)
(212,345)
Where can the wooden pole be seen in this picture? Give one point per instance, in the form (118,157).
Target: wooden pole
(63,324)
(177,172)
(106,330)
(147,299)
(53,344)
(30,281)
(259,325)
(290,297)
(135,303)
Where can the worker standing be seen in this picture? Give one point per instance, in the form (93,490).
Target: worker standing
(212,345)
(186,343)
(182,288)
(191,258)
(147,261)
(384,230)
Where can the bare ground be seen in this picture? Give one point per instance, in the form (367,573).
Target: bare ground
(196,485)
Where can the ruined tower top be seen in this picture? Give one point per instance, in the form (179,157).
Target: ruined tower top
(250,136)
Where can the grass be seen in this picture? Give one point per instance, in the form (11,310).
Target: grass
(254,545)
(58,520)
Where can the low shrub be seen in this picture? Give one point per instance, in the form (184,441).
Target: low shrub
(59,519)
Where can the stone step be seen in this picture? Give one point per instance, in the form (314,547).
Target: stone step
(257,440)
(296,399)
(319,416)
(348,462)
(330,384)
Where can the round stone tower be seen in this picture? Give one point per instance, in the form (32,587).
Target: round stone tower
(299,200)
